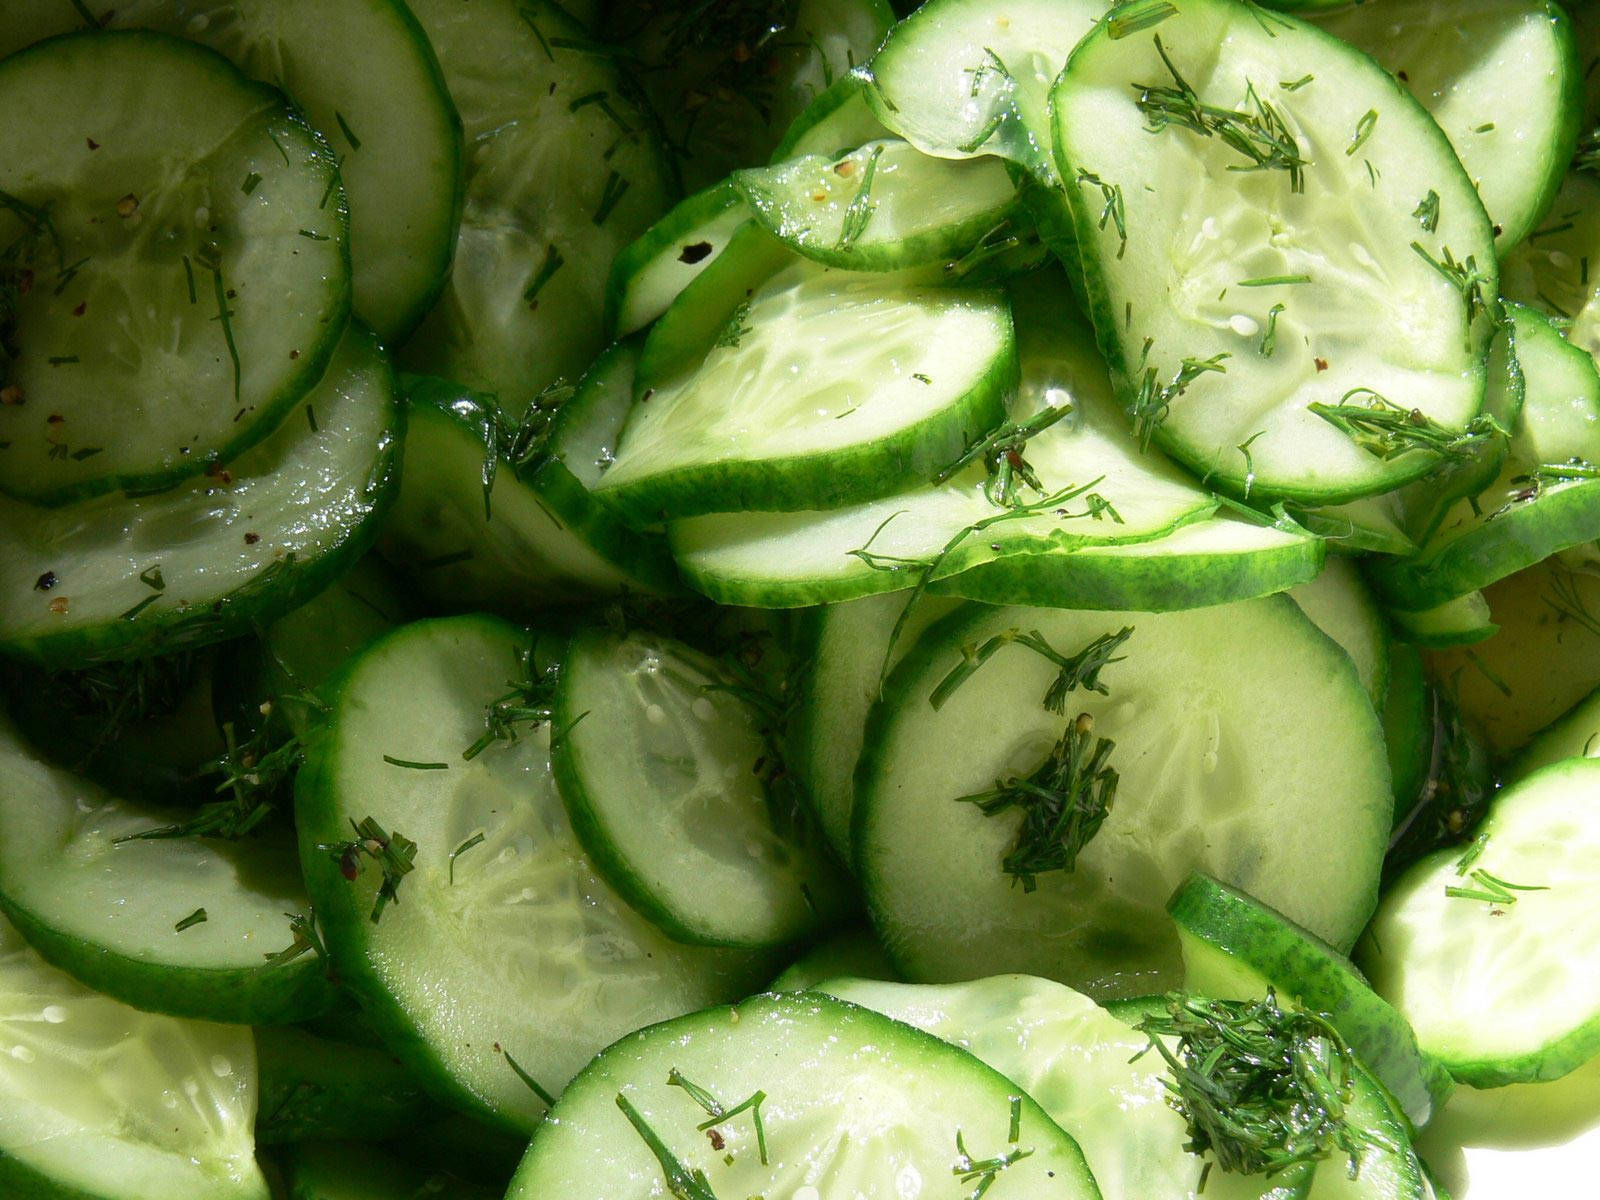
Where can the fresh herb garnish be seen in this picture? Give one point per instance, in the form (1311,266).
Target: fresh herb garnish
(1001,452)
(1387,430)
(721,1114)
(197,917)
(1427,211)
(1074,671)
(1154,399)
(530,701)
(1137,16)
(982,1172)
(1466,278)
(475,840)
(858,213)
(1112,210)
(394,853)
(682,1183)
(1491,889)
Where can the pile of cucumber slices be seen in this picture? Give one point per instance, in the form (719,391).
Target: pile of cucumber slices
(790,600)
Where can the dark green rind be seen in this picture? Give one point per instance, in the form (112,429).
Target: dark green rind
(684,220)
(829,478)
(1407,724)
(825,107)
(1142,583)
(766,593)
(276,590)
(313,359)
(317,1090)
(1303,968)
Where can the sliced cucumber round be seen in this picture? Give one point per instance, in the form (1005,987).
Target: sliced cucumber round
(125,577)
(482,515)
(1575,735)
(1407,723)
(1235,740)
(562,172)
(316,1090)
(1489,952)
(838,119)
(854,953)
(497,904)
(364,74)
(1339,604)
(1370,525)
(671,774)
(181,925)
(825,389)
(1272,230)
(1551,269)
(1235,948)
(649,273)
(1504,82)
(104,1102)
(843,1099)
(1463,620)
(172,316)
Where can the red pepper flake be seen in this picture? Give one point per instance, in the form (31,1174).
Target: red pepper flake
(127,206)
(11,395)
(45,582)
(250,539)
(716,1139)
(59,606)
(83,307)
(819,196)
(1322,363)
(220,473)
(844,169)
(92,144)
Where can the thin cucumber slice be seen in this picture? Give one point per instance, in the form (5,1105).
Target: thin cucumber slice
(851,647)
(1503,80)
(543,962)
(1245,748)
(854,953)
(838,119)
(478,523)
(1091,1072)
(666,766)
(128,577)
(1551,269)
(1339,604)
(882,206)
(909,379)
(1111,494)
(126,156)
(1230,299)
(1370,525)
(315,1090)
(1219,560)
(186,926)
(1575,735)
(364,74)
(959,78)
(1235,948)
(1462,621)
(649,273)
(1544,658)
(1545,497)
(852,1102)
(561,173)
(104,1102)
(1489,953)
(336,1170)
(1407,723)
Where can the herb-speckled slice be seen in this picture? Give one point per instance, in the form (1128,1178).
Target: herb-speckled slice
(1488,951)
(561,173)
(1340,604)
(851,1103)
(159,314)
(650,272)
(1309,239)
(499,908)
(125,577)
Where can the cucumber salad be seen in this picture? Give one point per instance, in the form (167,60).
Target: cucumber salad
(799,599)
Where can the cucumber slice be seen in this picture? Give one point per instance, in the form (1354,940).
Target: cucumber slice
(543,962)
(126,156)
(1111,493)
(838,119)
(337,1170)
(1339,604)
(1091,1072)
(129,577)
(741,432)
(1275,270)
(852,1103)
(882,206)
(1370,525)
(481,514)
(851,648)
(649,273)
(1575,735)
(855,954)
(562,174)
(1503,80)
(103,1102)
(316,1090)
(1407,723)
(668,769)
(365,76)
(1462,621)
(185,926)
(1499,980)
(1235,948)
(1193,698)
(959,78)
(1219,560)
(1545,497)
(1551,269)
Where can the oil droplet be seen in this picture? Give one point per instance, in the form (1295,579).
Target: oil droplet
(54,1014)
(221,1066)
(704,709)
(1243,325)
(23,1054)
(655,714)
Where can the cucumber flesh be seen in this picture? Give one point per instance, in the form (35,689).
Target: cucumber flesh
(317,1090)
(1462,621)
(1575,735)
(1339,604)
(838,119)
(1550,270)
(125,158)
(649,273)
(854,953)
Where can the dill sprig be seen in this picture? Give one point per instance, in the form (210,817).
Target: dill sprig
(394,853)
(1113,210)
(529,701)
(1064,802)
(1262,1090)
(1001,452)
(1491,889)
(1074,671)
(17,266)
(1258,133)
(255,777)
(1467,278)
(1567,601)
(719,1113)
(682,1183)
(982,1172)
(1154,399)
(1454,794)
(518,440)
(1587,157)
(1427,212)
(305,939)
(858,213)
(1137,16)
(1388,430)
